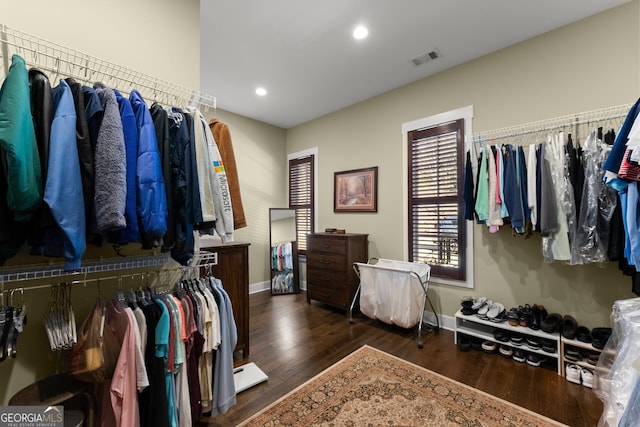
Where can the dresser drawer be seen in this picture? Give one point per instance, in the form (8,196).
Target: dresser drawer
(322,260)
(325,278)
(335,297)
(326,244)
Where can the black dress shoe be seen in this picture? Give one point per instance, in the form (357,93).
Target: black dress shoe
(572,354)
(600,336)
(569,327)
(501,335)
(464,344)
(535,321)
(552,323)
(548,346)
(542,313)
(538,314)
(583,334)
(467,311)
(476,344)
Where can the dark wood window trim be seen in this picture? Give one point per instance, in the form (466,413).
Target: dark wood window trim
(437,230)
(301,197)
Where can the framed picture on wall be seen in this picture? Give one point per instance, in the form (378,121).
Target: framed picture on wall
(356,190)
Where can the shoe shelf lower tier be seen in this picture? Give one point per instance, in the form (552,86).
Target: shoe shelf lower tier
(472,325)
(579,353)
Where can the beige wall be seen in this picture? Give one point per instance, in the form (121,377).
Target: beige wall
(160,38)
(588,65)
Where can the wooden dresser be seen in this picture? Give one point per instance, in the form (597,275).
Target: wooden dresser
(233,270)
(330,275)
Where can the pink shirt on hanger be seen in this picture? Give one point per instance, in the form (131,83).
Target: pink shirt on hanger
(120,395)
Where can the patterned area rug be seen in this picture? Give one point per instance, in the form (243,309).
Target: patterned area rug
(373,388)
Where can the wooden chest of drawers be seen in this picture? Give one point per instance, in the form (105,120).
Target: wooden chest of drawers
(330,275)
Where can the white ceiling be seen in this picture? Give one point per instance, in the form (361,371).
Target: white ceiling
(302,51)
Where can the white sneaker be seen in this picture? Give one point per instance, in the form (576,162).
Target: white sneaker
(573,373)
(587,377)
(482,311)
(478,302)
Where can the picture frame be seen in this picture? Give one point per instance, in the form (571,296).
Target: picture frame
(356,190)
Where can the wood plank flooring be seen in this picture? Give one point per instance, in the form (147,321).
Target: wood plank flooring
(292,341)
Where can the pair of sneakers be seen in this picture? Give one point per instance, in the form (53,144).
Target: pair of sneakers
(579,375)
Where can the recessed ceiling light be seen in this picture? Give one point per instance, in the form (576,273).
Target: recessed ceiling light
(360,32)
(261,91)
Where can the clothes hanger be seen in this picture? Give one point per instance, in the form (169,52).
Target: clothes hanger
(72,318)
(56,318)
(121,299)
(66,334)
(4,327)
(19,320)
(48,326)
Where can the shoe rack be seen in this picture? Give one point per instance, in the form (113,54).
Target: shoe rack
(472,325)
(566,343)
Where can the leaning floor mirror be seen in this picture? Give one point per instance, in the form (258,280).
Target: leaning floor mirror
(284,251)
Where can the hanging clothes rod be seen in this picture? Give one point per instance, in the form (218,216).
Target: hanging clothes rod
(54,271)
(62,62)
(608,114)
(57,271)
(84,280)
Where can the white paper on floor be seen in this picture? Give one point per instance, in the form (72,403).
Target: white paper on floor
(246,376)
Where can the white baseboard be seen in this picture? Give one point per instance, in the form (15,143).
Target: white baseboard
(446,322)
(254,288)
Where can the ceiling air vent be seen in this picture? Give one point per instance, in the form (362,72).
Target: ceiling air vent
(425,57)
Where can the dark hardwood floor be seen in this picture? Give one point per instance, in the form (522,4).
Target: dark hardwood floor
(292,341)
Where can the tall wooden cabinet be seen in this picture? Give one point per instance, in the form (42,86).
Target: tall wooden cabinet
(233,270)
(330,275)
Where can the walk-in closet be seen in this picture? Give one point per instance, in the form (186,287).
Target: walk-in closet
(319,213)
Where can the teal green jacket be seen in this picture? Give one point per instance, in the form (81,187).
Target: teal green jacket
(18,140)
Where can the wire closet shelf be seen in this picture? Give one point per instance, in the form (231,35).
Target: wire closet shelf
(161,262)
(60,62)
(609,116)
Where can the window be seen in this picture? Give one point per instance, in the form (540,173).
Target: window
(301,196)
(437,232)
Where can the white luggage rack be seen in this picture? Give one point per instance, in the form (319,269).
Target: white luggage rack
(394,292)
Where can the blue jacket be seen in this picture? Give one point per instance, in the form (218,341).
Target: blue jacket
(514,186)
(18,139)
(130,129)
(614,159)
(63,190)
(152,199)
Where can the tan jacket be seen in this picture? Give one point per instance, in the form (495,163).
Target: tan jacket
(222,136)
